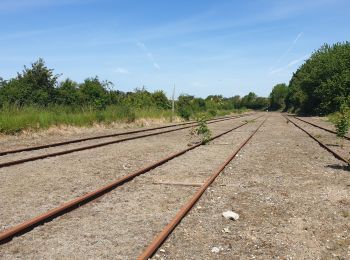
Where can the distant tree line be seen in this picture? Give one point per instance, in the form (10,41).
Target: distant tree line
(39,86)
(320,86)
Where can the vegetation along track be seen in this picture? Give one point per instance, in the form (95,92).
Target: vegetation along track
(8,234)
(82,148)
(33,148)
(322,144)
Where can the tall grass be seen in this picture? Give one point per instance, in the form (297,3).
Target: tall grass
(14,120)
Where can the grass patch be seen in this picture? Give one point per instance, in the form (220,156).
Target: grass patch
(14,120)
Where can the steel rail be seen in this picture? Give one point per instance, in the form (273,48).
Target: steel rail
(334,153)
(8,234)
(161,237)
(39,157)
(320,127)
(33,148)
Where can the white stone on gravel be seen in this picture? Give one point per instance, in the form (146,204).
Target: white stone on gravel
(230,215)
(215,250)
(226,230)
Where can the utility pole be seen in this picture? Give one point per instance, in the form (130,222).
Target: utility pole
(173,105)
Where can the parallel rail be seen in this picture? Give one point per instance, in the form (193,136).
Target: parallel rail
(323,145)
(162,236)
(82,148)
(26,226)
(39,147)
(320,127)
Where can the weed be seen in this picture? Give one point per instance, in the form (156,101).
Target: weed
(203,131)
(342,122)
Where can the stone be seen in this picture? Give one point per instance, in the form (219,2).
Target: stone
(230,215)
(226,230)
(215,250)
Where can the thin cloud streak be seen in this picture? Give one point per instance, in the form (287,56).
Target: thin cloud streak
(290,48)
(289,65)
(149,55)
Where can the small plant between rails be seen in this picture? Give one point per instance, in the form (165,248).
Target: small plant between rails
(26,226)
(82,148)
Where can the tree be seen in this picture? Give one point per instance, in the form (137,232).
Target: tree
(184,106)
(35,85)
(160,100)
(67,93)
(248,100)
(278,96)
(321,84)
(93,93)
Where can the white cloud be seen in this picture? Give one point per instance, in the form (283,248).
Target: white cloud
(121,71)
(290,48)
(149,54)
(156,65)
(289,65)
(274,70)
(296,61)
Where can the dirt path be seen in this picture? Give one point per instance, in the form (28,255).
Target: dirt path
(292,197)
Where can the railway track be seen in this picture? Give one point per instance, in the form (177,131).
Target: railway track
(320,127)
(87,147)
(322,144)
(38,147)
(26,226)
(162,236)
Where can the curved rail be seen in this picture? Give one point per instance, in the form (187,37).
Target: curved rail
(334,153)
(34,158)
(33,148)
(161,237)
(26,226)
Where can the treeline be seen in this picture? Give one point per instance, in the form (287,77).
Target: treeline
(39,86)
(320,86)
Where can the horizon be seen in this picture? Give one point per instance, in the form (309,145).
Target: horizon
(204,48)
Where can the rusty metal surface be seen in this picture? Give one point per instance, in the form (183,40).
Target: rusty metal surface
(334,153)
(161,237)
(34,158)
(26,226)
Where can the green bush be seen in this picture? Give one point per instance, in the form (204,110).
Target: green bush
(322,83)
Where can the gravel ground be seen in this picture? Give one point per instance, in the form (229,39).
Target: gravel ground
(292,197)
(121,223)
(341,146)
(32,188)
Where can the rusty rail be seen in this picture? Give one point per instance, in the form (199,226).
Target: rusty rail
(26,226)
(334,153)
(33,148)
(34,158)
(320,127)
(161,237)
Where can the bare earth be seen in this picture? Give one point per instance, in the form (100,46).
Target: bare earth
(292,196)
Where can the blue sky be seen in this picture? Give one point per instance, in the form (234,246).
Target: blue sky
(204,47)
